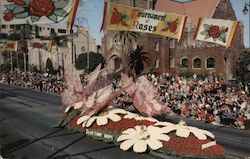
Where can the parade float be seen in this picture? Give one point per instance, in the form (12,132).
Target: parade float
(91,109)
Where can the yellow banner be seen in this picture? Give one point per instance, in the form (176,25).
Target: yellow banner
(8,45)
(126,18)
(40,44)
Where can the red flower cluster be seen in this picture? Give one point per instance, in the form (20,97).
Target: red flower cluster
(72,123)
(191,146)
(37,45)
(172,26)
(117,18)
(214,31)
(11,46)
(41,7)
(120,126)
(8,16)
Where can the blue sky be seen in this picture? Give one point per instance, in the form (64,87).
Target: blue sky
(93,11)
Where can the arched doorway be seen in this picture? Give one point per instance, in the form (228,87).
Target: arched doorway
(117,63)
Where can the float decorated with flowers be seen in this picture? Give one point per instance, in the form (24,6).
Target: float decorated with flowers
(91,109)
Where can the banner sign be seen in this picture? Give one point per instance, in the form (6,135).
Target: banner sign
(8,45)
(126,18)
(217,31)
(38,11)
(40,44)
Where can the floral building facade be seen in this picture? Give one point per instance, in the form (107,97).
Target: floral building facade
(187,55)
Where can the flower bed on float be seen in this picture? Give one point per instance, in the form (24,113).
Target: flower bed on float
(145,134)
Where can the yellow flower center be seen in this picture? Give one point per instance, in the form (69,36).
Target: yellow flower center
(142,134)
(104,113)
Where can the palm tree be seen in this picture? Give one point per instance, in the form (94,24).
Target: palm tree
(22,34)
(127,40)
(137,59)
(6,56)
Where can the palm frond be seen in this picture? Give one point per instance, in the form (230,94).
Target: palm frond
(113,57)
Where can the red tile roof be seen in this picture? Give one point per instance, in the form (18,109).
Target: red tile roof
(194,9)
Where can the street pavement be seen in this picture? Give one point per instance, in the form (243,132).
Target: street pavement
(28,117)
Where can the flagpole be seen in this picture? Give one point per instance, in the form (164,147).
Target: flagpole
(11,62)
(72,50)
(39,56)
(17,61)
(245,11)
(24,61)
(88,43)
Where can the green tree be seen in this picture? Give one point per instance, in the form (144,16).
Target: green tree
(6,61)
(49,66)
(94,60)
(127,40)
(6,56)
(137,60)
(243,65)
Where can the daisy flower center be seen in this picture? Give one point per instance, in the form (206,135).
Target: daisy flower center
(103,113)
(142,134)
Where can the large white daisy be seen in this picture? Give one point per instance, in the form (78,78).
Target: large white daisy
(182,130)
(102,118)
(141,136)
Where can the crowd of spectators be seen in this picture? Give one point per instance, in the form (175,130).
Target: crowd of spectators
(209,99)
(39,81)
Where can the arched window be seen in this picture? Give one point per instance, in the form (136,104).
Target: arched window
(172,62)
(157,46)
(157,61)
(184,63)
(172,44)
(210,62)
(197,63)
